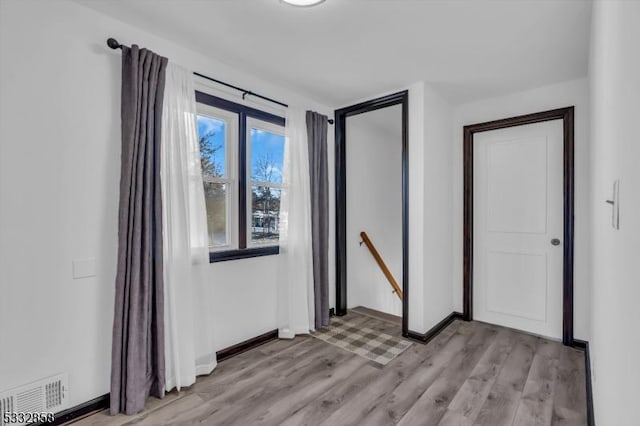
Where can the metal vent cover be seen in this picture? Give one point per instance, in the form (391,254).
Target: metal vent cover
(47,395)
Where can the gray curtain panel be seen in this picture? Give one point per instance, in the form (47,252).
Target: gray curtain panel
(137,359)
(318,169)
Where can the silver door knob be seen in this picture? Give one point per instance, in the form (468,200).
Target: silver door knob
(555,242)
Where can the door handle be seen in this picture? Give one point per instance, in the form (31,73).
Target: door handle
(555,242)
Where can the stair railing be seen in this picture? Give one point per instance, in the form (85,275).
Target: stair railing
(385,270)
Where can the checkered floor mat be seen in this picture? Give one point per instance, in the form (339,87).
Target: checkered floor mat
(363,341)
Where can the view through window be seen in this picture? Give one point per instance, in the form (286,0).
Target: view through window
(267,149)
(242,157)
(212,140)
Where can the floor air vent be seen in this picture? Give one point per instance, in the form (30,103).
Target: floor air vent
(46,395)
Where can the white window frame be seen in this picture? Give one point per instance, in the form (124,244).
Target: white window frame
(231,120)
(255,123)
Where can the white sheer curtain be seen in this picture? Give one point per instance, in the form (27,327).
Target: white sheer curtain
(189,339)
(295,284)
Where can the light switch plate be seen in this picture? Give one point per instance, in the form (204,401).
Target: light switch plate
(615,213)
(84,268)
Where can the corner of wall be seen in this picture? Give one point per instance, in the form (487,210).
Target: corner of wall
(437,208)
(416,203)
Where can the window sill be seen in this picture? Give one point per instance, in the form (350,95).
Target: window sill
(222,256)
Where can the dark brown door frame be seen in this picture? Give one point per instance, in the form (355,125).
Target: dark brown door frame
(400,98)
(567,117)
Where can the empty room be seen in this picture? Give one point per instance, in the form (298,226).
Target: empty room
(319,212)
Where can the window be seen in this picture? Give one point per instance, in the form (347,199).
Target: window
(265,151)
(218,138)
(241,150)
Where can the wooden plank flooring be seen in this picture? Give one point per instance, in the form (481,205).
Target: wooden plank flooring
(470,374)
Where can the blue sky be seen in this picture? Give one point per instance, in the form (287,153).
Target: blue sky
(266,143)
(262,143)
(207,125)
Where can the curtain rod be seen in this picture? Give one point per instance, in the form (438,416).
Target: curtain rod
(114,44)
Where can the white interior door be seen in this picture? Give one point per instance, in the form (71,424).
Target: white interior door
(517,208)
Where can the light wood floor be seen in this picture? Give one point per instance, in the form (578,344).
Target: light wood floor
(470,374)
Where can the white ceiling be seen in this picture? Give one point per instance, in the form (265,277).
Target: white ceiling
(348,50)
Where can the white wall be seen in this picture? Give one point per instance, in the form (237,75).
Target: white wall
(437,206)
(416,206)
(374,205)
(59,176)
(615,85)
(430,205)
(541,99)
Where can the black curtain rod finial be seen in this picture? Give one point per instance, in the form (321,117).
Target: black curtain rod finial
(113,43)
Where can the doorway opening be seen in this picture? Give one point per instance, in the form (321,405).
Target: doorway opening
(371,157)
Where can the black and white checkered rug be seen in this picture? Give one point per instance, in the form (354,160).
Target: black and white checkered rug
(370,344)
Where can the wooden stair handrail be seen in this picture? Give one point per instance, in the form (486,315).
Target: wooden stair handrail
(387,273)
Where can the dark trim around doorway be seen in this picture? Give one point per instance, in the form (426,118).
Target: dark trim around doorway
(400,98)
(567,117)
